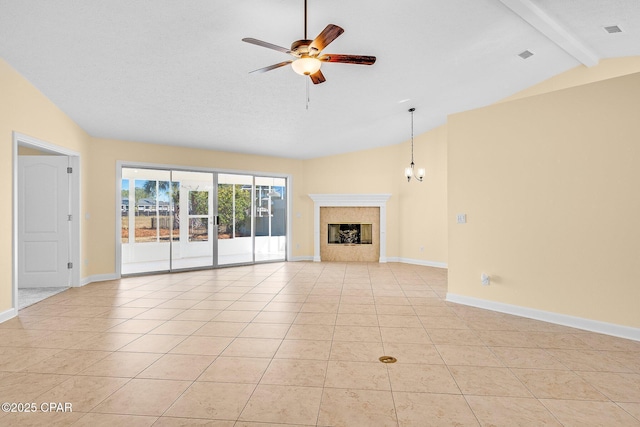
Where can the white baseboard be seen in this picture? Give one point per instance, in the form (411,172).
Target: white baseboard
(301,258)
(8,314)
(547,316)
(435,264)
(98,278)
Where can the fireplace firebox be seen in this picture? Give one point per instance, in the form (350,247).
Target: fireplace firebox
(350,234)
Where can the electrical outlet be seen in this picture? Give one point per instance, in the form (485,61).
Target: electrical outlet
(461,218)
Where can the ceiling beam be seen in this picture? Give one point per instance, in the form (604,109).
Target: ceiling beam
(549,27)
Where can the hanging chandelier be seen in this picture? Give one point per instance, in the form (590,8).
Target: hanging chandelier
(409,172)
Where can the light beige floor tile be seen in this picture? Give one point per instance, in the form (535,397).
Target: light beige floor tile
(44,419)
(455,337)
(143,397)
(248,305)
(221,329)
(154,343)
(236,370)
(136,326)
(265,330)
(109,420)
(202,345)
(346,408)
(357,333)
(198,315)
(534,358)
(357,319)
(552,340)
(488,381)
(25,387)
(160,313)
(304,349)
(619,387)
(422,378)
(357,375)
(449,322)
(252,347)
(589,360)
(429,409)
(607,342)
(396,310)
(294,372)
(189,422)
(310,332)
(356,351)
(275,317)
(588,413)
(177,367)
(413,353)
(17,359)
(177,327)
(123,312)
(236,316)
(279,404)
(547,384)
(212,400)
(121,364)
(394,321)
(468,355)
(505,339)
(404,335)
(510,411)
(631,408)
(106,341)
(68,362)
(356,306)
(315,319)
(83,392)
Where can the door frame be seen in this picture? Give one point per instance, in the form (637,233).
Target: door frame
(21,140)
(143,165)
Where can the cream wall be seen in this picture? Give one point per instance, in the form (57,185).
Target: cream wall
(25,110)
(549,185)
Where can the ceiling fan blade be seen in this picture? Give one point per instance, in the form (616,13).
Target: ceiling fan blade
(329,34)
(271,67)
(267,45)
(348,59)
(317,77)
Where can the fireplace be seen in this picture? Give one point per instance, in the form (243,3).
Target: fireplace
(350,209)
(349,234)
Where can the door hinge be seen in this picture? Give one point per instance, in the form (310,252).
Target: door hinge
(69,217)
(69,265)
(69,169)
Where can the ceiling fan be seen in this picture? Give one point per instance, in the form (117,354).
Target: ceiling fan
(308,53)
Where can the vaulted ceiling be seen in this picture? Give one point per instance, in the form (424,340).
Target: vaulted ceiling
(176,72)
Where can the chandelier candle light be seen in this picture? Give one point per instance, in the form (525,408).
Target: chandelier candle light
(408,172)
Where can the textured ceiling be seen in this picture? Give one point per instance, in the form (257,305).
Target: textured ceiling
(176,72)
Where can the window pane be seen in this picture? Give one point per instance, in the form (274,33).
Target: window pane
(146,227)
(198,229)
(242,224)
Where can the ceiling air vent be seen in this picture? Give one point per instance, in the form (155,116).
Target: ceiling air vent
(526,54)
(612,29)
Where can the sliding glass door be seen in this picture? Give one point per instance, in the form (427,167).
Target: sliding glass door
(176,220)
(270,219)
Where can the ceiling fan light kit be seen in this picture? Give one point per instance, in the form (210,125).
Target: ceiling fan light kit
(307,53)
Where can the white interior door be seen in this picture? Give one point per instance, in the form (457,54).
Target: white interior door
(43,222)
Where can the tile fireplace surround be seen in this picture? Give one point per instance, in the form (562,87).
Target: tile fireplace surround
(352,201)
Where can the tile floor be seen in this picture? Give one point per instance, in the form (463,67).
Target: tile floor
(297,344)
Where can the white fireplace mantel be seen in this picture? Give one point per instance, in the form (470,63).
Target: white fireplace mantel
(350,200)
